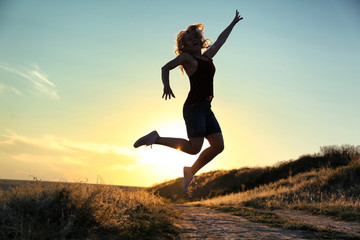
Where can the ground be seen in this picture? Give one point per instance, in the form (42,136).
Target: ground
(204,223)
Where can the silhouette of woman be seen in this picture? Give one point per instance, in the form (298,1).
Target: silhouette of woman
(199,119)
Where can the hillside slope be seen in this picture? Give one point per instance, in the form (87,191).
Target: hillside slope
(222,182)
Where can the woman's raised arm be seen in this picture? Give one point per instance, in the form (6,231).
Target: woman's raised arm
(222,37)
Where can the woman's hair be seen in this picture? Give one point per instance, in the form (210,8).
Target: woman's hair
(198,31)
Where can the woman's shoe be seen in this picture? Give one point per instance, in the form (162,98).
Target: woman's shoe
(147,140)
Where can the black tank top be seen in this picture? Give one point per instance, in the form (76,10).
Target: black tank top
(201,82)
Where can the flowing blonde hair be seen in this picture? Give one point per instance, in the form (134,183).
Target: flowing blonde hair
(198,30)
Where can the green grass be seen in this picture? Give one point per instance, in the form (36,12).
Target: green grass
(268,217)
(82,211)
(271,219)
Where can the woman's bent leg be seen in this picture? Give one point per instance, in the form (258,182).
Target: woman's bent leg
(216,146)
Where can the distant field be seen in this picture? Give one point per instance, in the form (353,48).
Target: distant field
(5,184)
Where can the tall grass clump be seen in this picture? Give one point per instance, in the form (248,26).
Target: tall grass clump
(82,211)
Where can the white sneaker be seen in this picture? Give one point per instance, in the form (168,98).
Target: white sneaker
(147,140)
(188,178)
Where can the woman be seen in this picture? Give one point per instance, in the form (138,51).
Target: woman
(199,119)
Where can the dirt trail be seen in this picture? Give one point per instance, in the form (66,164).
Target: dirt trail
(205,223)
(352,228)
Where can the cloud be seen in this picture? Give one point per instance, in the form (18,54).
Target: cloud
(4,88)
(35,81)
(61,157)
(64,145)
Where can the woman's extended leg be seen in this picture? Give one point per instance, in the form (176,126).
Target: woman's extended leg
(216,146)
(191,146)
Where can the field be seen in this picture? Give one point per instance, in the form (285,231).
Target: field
(39,210)
(324,183)
(6,184)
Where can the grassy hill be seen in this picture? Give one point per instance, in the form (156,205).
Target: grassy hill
(327,182)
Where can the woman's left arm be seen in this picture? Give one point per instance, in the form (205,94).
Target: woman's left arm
(222,37)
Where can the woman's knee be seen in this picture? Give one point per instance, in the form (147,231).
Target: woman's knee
(194,150)
(219,148)
(195,145)
(216,142)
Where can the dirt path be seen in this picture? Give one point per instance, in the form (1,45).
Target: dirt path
(352,228)
(205,223)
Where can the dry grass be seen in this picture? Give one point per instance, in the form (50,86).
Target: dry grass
(82,211)
(222,182)
(324,191)
(327,182)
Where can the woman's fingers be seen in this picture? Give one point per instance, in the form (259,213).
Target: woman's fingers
(168,95)
(238,16)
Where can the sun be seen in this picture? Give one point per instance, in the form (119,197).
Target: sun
(165,161)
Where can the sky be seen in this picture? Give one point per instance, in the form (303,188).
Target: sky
(80,82)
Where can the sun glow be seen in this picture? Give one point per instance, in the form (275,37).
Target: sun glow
(167,162)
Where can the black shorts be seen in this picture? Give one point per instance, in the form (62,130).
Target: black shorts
(200,120)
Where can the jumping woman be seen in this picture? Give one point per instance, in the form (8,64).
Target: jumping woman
(199,119)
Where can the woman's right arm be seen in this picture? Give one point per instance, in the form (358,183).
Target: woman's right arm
(179,60)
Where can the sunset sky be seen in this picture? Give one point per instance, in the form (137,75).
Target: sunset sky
(80,81)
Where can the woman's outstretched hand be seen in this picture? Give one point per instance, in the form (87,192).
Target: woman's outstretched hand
(237,17)
(168,93)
